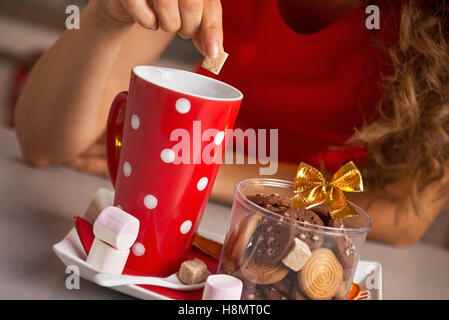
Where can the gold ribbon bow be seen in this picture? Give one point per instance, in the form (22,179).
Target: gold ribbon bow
(312,188)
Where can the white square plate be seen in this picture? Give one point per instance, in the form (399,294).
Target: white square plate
(71,252)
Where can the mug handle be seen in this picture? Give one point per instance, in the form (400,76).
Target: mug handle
(114,133)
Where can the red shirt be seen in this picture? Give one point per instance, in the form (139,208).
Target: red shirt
(316,89)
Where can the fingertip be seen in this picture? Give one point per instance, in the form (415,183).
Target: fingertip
(152,21)
(154,27)
(212,28)
(212,49)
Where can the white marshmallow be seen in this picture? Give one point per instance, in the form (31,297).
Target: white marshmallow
(103,198)
(297,256)
(116,227)
(222,287)
(105,258)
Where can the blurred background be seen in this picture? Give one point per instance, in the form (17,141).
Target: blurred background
(29,27)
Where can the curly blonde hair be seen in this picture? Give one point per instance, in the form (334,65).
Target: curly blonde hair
(410,134)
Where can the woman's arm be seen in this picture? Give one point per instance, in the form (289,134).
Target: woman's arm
(394,222)
(64,104)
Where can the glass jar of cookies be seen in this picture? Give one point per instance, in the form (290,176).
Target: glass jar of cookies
(287,253)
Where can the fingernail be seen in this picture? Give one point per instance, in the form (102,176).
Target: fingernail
(155,27)
(212,49)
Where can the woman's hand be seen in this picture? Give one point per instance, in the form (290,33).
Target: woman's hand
(199,20)
(93,160)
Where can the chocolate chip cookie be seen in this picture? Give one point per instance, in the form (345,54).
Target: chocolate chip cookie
(322,212)
(271,293)
(310,236)
(344,248)
(273,202)
(285,285)
(272,241)
(295,293)
(280,290)
(283,206)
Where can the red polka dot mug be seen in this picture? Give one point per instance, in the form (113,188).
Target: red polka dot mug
(161,136)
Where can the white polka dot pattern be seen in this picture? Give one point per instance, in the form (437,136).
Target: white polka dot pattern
(138,249)
(135,122)
(168,155)
(202,184)
(182,105)
(127,169)
(150,201)
(186,226)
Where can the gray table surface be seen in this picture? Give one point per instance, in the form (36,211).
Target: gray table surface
(36,210)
